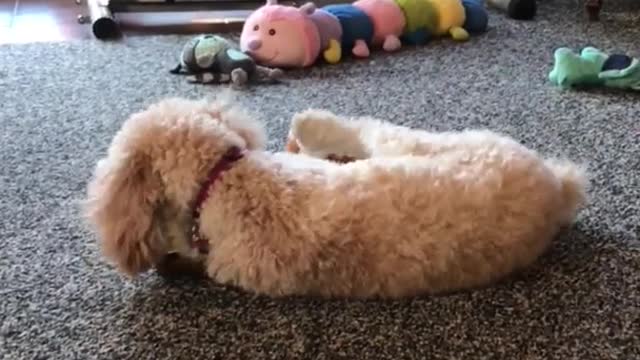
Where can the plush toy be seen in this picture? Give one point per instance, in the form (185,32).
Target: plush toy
(593,67)
(285,36)
(214,59)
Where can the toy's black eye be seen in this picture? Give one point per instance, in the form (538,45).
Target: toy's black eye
(272,32)
(256,28)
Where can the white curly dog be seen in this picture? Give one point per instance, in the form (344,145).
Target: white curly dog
(411,213)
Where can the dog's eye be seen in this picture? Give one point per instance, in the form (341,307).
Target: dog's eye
(272,32)
(256,28)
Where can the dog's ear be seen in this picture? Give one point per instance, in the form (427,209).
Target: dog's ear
(121,201)
(238,120)
(250,130)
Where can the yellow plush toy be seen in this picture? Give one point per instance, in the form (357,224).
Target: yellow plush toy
(450,18)
(434,18)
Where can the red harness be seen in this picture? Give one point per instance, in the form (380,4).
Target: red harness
(225,163)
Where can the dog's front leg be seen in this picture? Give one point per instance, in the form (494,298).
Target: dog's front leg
(175,265)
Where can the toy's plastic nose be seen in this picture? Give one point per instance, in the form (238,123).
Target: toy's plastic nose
(255,44)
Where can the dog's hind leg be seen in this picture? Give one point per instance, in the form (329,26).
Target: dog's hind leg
(323,134)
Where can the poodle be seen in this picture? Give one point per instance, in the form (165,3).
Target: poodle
(405,212)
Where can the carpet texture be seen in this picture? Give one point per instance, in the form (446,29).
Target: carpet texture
(62,103)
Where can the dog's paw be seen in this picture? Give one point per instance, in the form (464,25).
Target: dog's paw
(321,133)
(292,145)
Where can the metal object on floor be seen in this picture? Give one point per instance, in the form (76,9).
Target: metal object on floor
(104,24)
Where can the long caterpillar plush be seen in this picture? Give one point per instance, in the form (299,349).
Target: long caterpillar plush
(285,36)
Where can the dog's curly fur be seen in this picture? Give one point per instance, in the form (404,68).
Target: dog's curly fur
(414,213)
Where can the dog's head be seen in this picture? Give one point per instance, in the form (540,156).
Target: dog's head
(154,166)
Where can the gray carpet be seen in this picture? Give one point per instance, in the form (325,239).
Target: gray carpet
(61,104)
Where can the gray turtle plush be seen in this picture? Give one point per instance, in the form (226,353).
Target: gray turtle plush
(213,59)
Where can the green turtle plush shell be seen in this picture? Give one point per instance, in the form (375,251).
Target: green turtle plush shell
(215,54)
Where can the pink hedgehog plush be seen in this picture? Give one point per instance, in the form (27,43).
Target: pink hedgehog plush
(283,36)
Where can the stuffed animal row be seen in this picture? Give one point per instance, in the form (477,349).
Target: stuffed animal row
(289,37)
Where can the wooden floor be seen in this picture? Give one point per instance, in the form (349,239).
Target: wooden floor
(24,21)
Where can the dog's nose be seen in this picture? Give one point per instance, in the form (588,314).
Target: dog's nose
(255,44)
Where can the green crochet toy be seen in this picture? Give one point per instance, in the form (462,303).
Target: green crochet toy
(213,59)
(593,67)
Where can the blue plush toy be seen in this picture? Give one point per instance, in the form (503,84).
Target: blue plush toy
(354,22)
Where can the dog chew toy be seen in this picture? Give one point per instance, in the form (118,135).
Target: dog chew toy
(593,68)
(214,59)
(289,37)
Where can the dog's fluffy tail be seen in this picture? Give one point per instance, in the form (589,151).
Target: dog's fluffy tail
(574,182)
